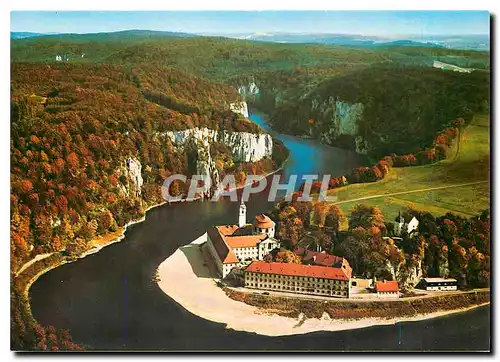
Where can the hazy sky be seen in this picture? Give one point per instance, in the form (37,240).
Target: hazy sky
(349,22)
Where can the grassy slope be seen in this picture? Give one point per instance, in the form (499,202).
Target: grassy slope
(471,164)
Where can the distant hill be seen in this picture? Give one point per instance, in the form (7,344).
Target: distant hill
(125,35)
(334,39)
(388,109)
(24,34)
(412,43)
(223,57)
(465,42)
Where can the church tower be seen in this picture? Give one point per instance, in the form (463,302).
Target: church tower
(242,221)
(400,223)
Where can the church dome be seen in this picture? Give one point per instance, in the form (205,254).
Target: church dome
(263,222)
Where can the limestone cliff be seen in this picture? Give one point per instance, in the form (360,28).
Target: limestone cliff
(333,118)
(130,177)
(342,117)
(250,89)
(240,107)
(339,119)
(244,147)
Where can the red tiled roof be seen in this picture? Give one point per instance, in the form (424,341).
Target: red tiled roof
(226,237)
(247,241)
(226,255)
(262,221)
(226,230)
(230,258)
(298,270)
(387,286)
(229,234)
(324,259)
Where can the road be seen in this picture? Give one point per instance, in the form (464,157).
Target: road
(409,192)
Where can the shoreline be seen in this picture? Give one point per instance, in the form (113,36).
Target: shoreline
(92,250)
(95,246)
(185,277)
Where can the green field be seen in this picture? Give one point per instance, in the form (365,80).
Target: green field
(416,186)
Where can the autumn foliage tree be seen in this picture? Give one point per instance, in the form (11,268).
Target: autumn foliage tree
(290,228)
(74,126)
(287,256)
(366,217)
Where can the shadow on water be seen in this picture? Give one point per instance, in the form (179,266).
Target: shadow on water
(110,301)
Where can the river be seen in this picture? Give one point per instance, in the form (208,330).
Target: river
(108,300)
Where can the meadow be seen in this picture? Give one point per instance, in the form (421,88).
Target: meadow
(458,184)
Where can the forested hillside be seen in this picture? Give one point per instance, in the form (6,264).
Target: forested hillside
(90,151)
(113,97)
(223,58)
(384,110)
(286,78)
(90,142)
(74,127)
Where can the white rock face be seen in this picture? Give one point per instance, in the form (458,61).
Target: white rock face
(348,116)
(390,268)
(55,222)
(341,119)
(240,107)
(244,146)
(132,171)
(412,275)
(205,164)
(249,89)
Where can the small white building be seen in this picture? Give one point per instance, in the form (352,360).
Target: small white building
(238,245)
(440,284)
(408,225)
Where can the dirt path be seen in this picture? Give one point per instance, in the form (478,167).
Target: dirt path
(409,192)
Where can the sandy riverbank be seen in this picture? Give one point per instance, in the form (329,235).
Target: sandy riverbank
(185,276)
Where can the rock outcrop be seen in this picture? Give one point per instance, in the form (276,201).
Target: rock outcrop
(240,107)
(244,146)
(410,275)
(132,182)
(339,119)
(250,89)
